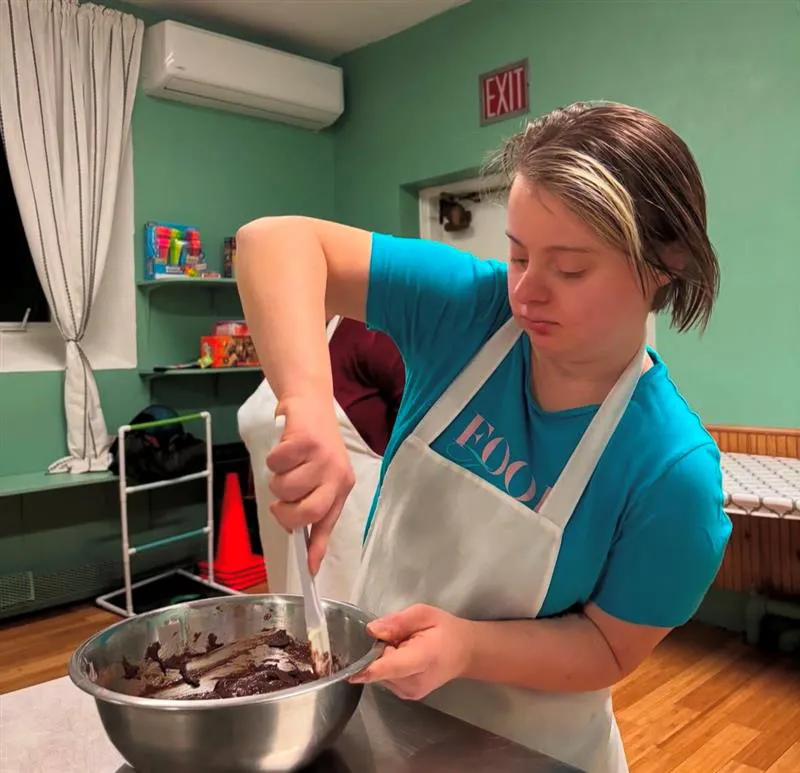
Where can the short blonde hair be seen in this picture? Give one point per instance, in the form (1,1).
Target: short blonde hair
(634,181)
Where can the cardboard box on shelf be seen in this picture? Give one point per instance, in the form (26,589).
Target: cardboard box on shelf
(228,351)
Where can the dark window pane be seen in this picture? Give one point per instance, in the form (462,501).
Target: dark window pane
(20,288)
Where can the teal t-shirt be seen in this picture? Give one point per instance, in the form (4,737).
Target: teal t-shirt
(649,533)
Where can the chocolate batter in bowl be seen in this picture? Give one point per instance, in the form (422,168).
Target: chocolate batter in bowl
(223,685)
(208,669)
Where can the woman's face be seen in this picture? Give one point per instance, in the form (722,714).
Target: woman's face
(573,293)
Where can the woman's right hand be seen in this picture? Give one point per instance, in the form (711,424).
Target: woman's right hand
(311,472)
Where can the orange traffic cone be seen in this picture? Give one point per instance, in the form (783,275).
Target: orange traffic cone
(235,564)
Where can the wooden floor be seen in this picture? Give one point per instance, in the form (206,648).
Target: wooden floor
(703,703)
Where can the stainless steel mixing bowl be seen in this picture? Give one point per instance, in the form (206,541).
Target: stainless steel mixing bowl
(270,733)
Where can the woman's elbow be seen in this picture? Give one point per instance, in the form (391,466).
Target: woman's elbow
(270,240)
(254,233)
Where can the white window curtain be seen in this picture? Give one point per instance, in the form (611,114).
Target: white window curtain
(67,87)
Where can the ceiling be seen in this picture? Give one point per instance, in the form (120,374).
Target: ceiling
(332,27)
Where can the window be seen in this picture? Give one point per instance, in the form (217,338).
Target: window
(110,341)
(20,289)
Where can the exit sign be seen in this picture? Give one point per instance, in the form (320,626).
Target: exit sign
(504,92)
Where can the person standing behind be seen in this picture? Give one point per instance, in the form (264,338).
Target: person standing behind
(368,378)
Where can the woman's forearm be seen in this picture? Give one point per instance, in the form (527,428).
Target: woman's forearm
(566,654)
(281,274)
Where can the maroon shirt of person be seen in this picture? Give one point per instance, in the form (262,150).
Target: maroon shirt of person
(368,380)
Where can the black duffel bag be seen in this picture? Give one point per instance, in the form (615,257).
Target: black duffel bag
(158,453)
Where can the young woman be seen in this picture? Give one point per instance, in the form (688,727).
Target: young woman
(549,505)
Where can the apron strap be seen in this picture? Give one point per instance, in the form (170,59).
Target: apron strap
(561,501)
(467,383)
(332,325)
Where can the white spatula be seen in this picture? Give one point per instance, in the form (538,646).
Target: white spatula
(316,624)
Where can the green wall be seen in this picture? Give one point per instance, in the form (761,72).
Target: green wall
(723,74)
(217,171)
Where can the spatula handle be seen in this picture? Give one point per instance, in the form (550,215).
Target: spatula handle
(316,624)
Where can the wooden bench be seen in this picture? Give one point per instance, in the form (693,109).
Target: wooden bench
(33,482)
(763,555)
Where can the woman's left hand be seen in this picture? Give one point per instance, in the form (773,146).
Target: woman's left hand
(425,648)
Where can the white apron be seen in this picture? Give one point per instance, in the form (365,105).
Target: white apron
(256,419)
(443,536)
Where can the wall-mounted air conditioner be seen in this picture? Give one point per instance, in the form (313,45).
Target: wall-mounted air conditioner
(187,64)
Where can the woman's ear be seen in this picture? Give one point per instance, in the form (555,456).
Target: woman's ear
(672,259)
(674,256)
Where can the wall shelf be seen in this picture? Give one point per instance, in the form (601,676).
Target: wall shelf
(149,285)
(152,373)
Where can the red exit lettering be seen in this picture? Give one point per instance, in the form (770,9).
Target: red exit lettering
(504,92)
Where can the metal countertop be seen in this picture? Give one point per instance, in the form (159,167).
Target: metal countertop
(55,728)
